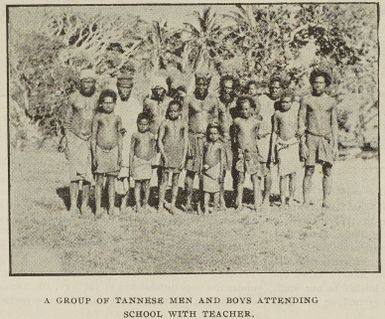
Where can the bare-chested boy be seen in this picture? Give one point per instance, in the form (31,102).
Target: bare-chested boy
(106,143)
(213,161)
(172,144)
(141,156)
(77,132)
(227,113)
(265,105)
(203,109)
(285,145)
(246,130)
(318,126)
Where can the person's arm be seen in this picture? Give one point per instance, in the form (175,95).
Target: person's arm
(274,136)
(120,140)
(302,114)
(161,134)
(185,148)
(221,162)
(132,150)
(334,131)
(94,131)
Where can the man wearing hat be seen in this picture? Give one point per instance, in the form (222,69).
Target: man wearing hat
(77,129)
(318,129)
(128,108)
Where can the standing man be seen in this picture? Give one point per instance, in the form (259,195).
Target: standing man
(318,125)
(77,130)
(128,108)
(155,106)
(266,107)
(203,109)
(227,113)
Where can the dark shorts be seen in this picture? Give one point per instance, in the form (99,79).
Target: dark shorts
(195,152)
(320,150)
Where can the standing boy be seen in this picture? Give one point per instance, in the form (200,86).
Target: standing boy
(106,142)
(246,129)
(213,161)
(142,152)
(285,147)
(172,144)
(318,125)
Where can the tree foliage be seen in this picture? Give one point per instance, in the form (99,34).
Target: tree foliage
(258,40)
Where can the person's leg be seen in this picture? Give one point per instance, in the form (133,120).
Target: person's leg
(240,181)
(267,186)
(146,191)
(257,191)
(216,202)
(98,194)
(111,194)
(200,202)
(309,171)
(124,202)
(138,188)
(162,190)
(190,175)
(206,202)
(292,187)
(326,184)
(85,196)
(221,194)
(282,189)
(175,188)
(74,192)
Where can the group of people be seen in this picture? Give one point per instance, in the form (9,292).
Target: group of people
(113,139)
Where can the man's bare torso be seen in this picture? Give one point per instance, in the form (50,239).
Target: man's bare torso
(201,112)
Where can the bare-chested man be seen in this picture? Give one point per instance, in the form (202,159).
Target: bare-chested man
(203,109)
(318,124)
(265,105)
(227,113)
(77,130)
(172,144)
(245,140)
(128,108)
(156,106)
(285,146)
(106,142)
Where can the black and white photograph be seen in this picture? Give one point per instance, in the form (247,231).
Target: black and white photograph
(193,138)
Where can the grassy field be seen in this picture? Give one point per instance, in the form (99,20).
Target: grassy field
(45,239)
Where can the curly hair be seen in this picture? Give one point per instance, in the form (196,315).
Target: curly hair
(317,73)
(107,93)
(243,98)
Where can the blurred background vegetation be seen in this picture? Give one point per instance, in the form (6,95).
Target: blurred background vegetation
(254,41)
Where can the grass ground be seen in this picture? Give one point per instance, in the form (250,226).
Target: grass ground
(45,239)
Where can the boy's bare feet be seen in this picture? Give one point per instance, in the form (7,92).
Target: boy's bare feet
(98,213)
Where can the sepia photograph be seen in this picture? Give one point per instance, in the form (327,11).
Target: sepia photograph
(193,138)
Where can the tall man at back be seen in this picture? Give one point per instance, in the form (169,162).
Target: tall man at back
(318,126)
(266,107)
(227,113)
(77,130)
(128,108)
(203,109)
